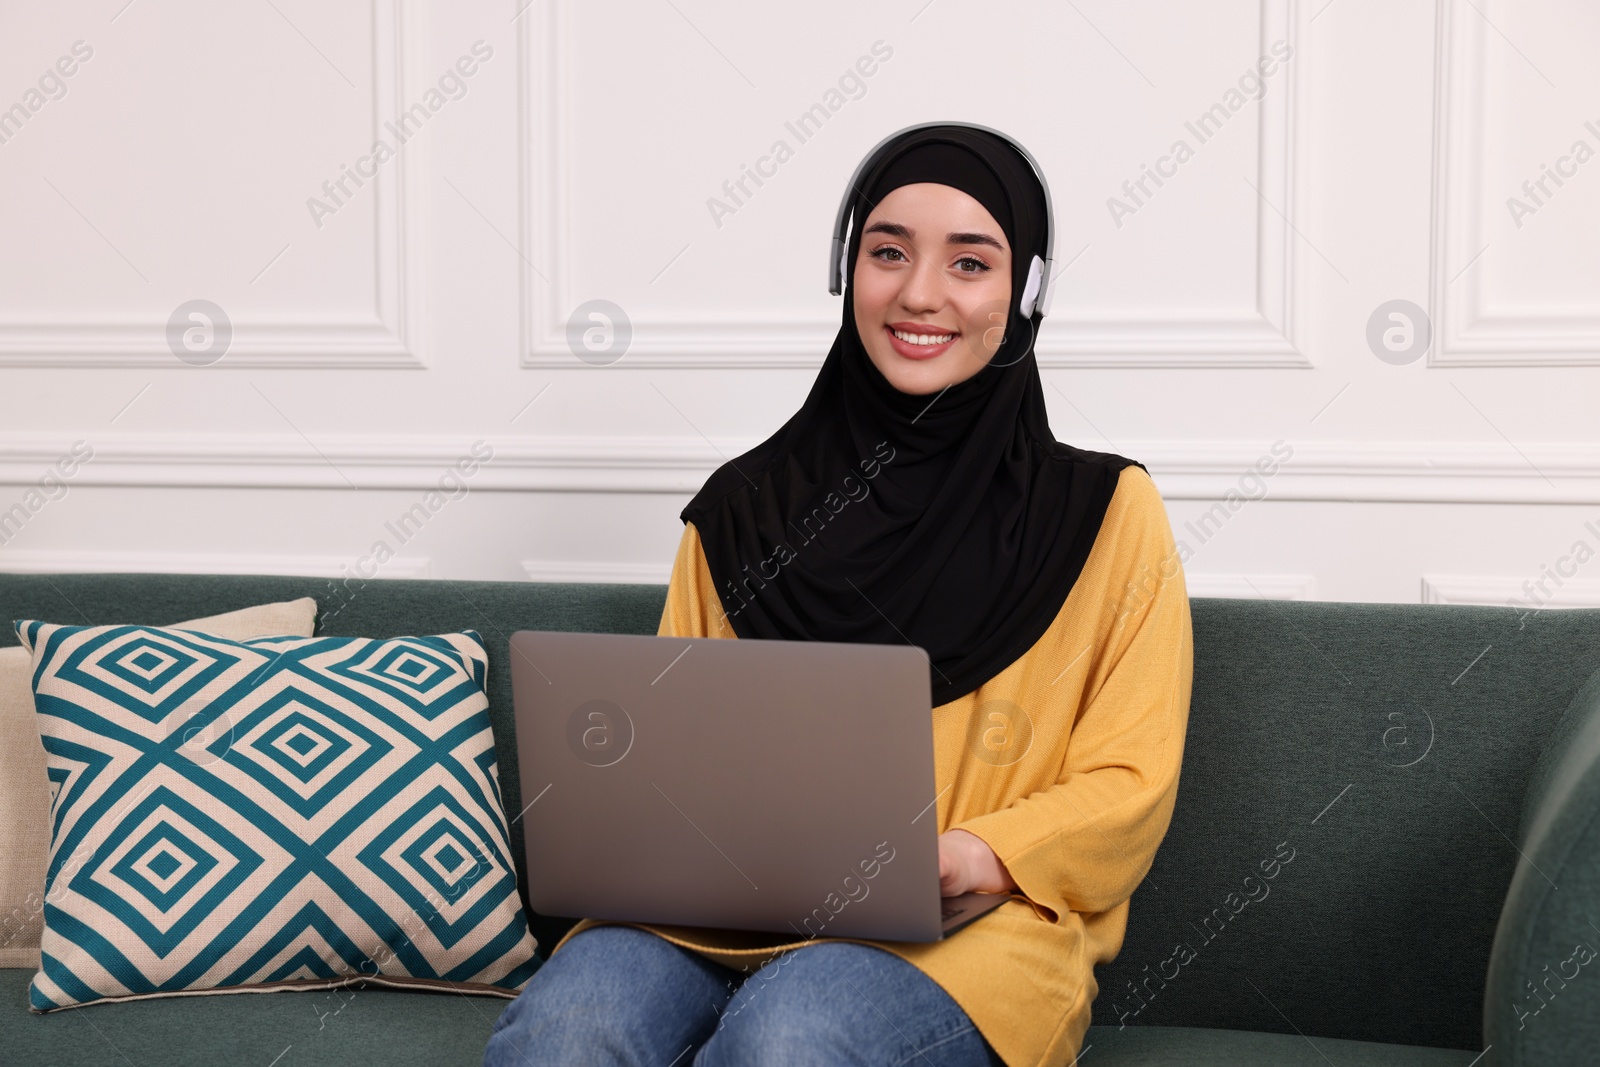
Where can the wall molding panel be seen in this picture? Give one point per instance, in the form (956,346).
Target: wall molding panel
(552,570)
(392,337)
(1199,470)
(1465,333)
(1269,335)
(1507,592)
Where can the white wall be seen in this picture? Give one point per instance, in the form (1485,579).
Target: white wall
(377,338)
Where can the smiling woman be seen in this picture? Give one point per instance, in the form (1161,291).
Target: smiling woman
(1004,555)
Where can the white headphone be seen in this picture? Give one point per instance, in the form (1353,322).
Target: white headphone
(1036,291)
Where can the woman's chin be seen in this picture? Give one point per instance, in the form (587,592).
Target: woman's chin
(919,377)
(915,378)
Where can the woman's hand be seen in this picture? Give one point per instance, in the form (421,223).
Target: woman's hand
(968,865)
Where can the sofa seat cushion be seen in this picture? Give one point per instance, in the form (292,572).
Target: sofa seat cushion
(1188,1046)
(401,1029)
(332,1026)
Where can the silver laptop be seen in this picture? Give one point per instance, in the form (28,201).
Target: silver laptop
(782,786)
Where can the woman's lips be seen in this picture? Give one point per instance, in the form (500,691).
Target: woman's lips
(911,351)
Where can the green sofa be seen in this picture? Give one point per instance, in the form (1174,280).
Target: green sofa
(1385,848)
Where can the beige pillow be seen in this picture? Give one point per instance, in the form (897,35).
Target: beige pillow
(25,788)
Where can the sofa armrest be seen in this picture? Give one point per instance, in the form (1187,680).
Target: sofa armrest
(1544,969)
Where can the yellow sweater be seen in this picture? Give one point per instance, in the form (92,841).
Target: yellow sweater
(1065,763)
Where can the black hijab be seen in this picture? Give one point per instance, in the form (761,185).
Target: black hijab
(952,521)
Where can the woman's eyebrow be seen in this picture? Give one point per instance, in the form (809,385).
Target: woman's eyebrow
(895,229)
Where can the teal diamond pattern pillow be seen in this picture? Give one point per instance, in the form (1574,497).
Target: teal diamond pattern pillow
(283,812)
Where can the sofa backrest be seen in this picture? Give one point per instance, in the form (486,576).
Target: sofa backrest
(1345,827)
(1389,746)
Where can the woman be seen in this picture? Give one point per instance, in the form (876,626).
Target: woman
(1043,583)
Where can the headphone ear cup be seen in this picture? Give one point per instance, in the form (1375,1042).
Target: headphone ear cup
(1030,288)
(844,273)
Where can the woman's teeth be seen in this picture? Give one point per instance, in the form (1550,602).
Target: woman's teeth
(923,338)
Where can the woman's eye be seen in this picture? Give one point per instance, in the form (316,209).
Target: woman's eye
(979,264)
(885,252)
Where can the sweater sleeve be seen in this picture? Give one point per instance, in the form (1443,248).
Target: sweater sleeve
(1085,842)
(693,608)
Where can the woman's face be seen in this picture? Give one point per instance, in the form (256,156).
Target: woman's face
(933,264)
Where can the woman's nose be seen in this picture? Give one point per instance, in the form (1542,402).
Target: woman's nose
(923,289)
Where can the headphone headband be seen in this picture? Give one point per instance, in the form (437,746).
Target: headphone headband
(1036,291)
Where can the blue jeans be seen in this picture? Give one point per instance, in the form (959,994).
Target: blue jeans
(621,995)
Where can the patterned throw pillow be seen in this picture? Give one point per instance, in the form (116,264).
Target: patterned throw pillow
(25,785)
(284,812)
